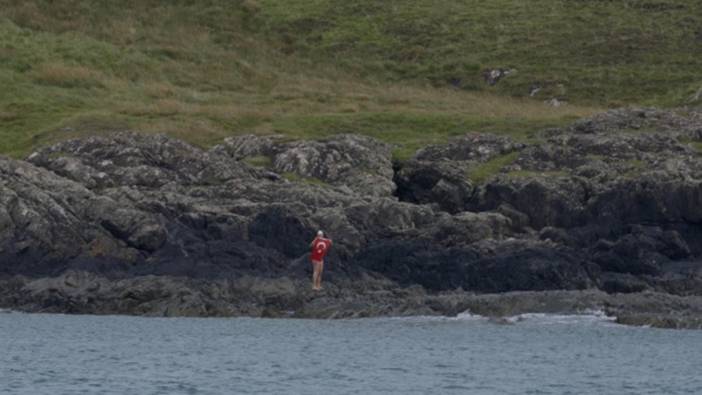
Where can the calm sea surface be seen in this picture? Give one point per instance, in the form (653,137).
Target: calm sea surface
(58,354)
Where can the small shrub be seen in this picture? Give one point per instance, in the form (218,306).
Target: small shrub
(167,107)
(250,6)
(8,116)
(159,90)
(65,76)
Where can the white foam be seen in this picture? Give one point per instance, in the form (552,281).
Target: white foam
(411,318)
(581,317)
(584,317)
(465,316)
(468,316)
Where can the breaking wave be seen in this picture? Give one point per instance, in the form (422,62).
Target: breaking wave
(584,317)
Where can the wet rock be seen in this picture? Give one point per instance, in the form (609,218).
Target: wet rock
(279,229)
(622,283)
(512,267)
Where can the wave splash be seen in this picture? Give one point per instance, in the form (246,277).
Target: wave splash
(582,317)
(585,317)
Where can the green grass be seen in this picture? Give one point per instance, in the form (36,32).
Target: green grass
(597,157)
(408,73)
(259,161)
(294,177)
(197,72)
(596,52)
(488,169)
(533,173)
(696,145)
(409,131)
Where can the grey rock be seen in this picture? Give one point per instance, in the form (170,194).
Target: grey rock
(493,76)
(146,224)
(81,292)
(444,183)
(356,162)
(245,146)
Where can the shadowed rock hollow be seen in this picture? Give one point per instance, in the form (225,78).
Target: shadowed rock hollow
(612,203)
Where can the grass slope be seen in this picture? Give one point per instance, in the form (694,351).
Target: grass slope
(587,51)
(205,70)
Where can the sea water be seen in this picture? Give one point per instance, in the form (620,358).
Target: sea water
(530,354)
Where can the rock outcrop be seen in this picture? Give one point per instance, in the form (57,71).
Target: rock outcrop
(146,224)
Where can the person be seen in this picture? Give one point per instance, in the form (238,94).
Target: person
(320,246)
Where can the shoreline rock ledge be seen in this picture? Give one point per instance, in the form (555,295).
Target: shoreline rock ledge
(604,214)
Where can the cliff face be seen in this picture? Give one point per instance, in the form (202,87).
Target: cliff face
(611,203)
(619,195)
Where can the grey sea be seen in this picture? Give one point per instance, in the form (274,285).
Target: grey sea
(533,354)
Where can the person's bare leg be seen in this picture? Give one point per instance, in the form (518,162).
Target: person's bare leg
(315,275)
(318,280)
(319,275)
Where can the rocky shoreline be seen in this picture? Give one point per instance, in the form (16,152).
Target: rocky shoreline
(604,214)
(164,296)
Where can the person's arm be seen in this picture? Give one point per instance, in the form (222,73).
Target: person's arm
(312,243)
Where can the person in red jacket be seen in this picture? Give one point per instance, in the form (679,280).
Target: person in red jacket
(320,246)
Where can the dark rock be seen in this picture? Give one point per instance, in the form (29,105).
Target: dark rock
(519,220)
(145,224)
(443,183)
(557,235)
(514,267)
(441,174)
(558,201)
(622,283)
(277,228)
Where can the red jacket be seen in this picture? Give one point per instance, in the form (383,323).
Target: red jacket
(320,247)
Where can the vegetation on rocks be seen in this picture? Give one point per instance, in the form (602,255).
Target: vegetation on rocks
(259,160)
(481,173)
